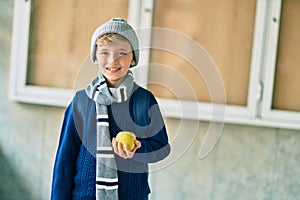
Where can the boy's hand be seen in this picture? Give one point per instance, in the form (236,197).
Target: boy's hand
(126,153)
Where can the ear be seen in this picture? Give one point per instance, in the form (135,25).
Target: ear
(96,61)
(132,62)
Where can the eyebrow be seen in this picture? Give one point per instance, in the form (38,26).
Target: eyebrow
(122,49)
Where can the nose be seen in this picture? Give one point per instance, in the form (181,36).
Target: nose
(112,58)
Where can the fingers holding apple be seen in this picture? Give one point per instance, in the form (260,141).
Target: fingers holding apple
(126,138)
(125,144)
(138,144)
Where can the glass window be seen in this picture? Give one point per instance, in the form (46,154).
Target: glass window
(286,94)
(224,28)
(60,33)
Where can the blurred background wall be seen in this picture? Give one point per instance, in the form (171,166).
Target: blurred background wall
(247,163)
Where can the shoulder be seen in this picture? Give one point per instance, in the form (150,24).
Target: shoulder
(80,95)
(81,103)
(143,96)
(140,91)
(80,99)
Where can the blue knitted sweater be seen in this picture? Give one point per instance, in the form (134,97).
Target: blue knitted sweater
(75,164)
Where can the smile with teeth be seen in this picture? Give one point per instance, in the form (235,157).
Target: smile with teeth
(114,69)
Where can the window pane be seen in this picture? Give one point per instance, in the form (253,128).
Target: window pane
(286,86)
(60,33)
(223,28)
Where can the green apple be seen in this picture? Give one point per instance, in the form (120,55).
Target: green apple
(125,137)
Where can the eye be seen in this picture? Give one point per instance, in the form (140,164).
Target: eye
(121,53)
(104,53)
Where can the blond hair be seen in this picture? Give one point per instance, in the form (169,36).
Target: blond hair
(110,38)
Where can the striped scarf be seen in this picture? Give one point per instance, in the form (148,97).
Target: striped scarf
(106,167)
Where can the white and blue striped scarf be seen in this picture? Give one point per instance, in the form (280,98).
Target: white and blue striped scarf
(106,168)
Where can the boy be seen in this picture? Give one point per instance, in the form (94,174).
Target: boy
(90,163)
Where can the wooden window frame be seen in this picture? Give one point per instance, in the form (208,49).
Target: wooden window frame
(258,110)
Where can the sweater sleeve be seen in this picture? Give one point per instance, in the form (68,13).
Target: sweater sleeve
(154,139)
(65,162)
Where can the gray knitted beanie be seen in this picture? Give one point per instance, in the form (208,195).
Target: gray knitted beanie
(119,26)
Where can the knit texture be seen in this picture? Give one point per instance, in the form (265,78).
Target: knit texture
(75,164)
(119,26)
(106,167)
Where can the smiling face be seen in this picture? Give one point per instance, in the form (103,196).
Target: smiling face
(114,57)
